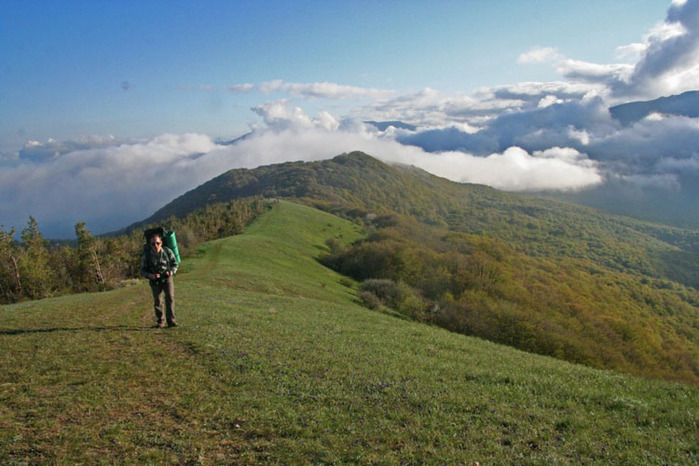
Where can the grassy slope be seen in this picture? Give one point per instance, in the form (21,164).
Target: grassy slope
(275,363)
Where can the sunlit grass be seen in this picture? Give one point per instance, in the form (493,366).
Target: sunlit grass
(275,363)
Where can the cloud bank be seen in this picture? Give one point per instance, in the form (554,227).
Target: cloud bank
(529,136)
(112,186)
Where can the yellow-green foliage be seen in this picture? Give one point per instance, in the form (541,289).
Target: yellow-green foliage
(569,308)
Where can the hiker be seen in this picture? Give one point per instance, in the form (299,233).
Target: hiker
(158,265)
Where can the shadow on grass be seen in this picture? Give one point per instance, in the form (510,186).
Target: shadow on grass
(74,329)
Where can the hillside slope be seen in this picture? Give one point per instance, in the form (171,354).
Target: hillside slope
(275,363)
(544,276)
(357,184)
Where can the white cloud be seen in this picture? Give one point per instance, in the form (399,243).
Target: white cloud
(429,108)
(241,88)
(641,148)
(539,55)
(317,90)
(278,115)
(548,101)
(671,49)
(594,73)
(303,138)
(516,170)
(631,52)
(322,90)
(666,62)
(52,148)
(583,136)
(108,186)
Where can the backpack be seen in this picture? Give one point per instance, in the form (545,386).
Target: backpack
(169,240)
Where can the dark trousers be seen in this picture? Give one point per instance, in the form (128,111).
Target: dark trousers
(158,289)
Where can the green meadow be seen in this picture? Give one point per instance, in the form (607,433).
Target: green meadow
(275,362)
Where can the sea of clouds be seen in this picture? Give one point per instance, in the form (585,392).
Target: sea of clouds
(531,136)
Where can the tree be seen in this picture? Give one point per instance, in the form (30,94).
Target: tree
(10,283)
(89,274)
(37,276)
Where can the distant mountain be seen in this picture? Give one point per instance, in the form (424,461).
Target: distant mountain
(686,104)
(384,125)
(542,275)
(230,142)
(678,208)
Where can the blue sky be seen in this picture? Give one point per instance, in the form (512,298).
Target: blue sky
(138,69)
(109,110)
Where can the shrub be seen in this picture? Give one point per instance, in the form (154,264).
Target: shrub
(390,293)
(369,300)
(416,307)
(395,295)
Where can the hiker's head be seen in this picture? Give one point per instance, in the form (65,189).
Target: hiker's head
(156,242)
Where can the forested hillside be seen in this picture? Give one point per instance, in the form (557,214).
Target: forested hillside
(540,275)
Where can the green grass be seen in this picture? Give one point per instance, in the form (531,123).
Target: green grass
(274,362)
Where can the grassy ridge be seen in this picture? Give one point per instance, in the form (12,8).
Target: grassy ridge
(276,363)
(543,276)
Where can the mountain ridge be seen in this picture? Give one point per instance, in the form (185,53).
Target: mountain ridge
(685,104)
(356,184)
(502,266)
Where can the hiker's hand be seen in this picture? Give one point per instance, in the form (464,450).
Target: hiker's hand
(156,276)
(167,273)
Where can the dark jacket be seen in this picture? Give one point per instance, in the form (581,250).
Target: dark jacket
(153,262)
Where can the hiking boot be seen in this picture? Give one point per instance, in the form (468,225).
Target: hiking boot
(160,325)
(172,324)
